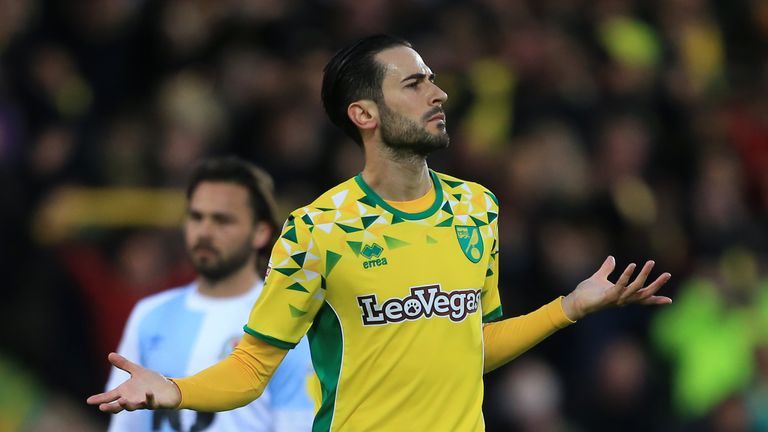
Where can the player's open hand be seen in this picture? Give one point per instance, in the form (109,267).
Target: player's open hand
(146,389)
(598,292)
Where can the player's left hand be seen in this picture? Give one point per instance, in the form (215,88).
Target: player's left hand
(598,292)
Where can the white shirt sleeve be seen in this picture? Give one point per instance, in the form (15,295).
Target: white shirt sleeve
(125,421)
(292,406)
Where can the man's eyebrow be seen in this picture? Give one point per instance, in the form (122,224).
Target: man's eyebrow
(419,77)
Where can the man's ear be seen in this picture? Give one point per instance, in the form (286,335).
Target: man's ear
(261,235)
(364,114)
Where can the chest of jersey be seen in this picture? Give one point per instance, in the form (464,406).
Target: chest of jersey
(411,271)
(392,302)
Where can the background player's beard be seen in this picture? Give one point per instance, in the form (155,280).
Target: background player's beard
(220,267)
(406,138)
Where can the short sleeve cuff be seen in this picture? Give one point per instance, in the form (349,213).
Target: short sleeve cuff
(493,315)
(269,339)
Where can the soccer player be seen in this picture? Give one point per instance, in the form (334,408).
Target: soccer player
(230,223)
(393,275)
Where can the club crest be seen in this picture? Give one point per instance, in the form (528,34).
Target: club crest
(470,241)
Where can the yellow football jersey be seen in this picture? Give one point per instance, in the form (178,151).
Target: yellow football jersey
(393,304)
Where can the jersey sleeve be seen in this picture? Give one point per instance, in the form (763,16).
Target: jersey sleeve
(294,288)
(505,340)
(292,406)
(233,382)
(491,302)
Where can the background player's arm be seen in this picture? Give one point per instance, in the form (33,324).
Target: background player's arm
(292,406)
(507,339)
(128,347)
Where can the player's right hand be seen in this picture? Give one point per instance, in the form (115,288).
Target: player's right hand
(145,389)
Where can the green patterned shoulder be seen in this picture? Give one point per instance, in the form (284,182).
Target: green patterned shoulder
(340,203)
(458,187)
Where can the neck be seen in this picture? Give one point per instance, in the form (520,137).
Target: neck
(237,283)
(396,177)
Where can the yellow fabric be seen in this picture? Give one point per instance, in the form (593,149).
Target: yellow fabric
(66,212)
(505,340)
(393,304)
(314,390)
(233,382)
(415,206)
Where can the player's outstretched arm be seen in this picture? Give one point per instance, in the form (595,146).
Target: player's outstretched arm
(507,339)
(233,382)
(598,292)
(145,389)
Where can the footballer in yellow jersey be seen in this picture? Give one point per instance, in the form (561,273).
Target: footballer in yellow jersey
(392,295)
(395,340)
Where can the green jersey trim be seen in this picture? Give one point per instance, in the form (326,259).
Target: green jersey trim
(493,315)
(375,198)
(269,339)
(326,343)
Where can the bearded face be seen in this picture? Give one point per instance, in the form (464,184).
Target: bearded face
(219,230)
(217,263)
(407,137)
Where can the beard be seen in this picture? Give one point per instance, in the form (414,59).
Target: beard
(406,138)
(219,267)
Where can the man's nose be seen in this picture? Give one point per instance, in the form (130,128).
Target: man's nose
(439,96)
(204,228)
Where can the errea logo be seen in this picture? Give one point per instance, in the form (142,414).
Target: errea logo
(424,302)
(372,252)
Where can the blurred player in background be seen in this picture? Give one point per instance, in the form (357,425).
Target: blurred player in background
(229,228)
(392,273)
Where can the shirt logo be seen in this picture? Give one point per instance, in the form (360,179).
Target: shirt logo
(424,302)
(470,242)
(372,252)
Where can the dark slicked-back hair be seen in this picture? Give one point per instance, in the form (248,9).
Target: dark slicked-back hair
(256,181)
(353,74)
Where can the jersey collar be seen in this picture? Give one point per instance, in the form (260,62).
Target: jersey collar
(401,214)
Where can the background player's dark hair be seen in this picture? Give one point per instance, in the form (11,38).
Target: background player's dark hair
(353,74)
(231,169)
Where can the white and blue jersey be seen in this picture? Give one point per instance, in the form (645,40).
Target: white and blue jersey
(178,333)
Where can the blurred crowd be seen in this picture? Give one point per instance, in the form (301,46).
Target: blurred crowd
(625,127)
